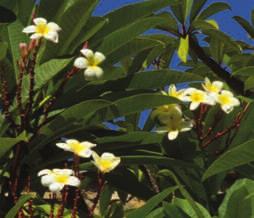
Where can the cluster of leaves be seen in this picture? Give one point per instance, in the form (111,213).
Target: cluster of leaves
(186,177)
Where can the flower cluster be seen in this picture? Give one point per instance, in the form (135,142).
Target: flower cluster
(171,116)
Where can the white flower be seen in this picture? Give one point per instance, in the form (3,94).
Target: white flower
(212,88)
(173,92)
(56,179)
(168,113)
(175,127)
(107,162)
(196,97)
(227,101)
(82,149)
(90,62)
(43,29)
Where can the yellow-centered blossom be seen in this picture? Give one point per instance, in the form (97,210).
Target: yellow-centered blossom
(82,149)
(106,162)
(173,92)
(227,101)
(197,97)
(168,113)
(56,179)
(173,128)
(90,62)
(43,29)
(212,88)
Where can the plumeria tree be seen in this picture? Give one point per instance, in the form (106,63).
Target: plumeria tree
(93,115)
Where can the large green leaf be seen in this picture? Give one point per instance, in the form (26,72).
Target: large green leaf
(239,200)
(152,203)
(212,9)
(240,155)
(6,15)
(124,35)
(245,71)
(196,8)
(3,50)
(20,203)
(246,25)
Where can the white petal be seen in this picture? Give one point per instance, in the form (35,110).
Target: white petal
(186,126)
(39,20)
(36,36)
(73,181)
(86,153)
(63,171)
(72,141)
(52,36)
(56,187)
(115,163)
(29,29)
(173,134)
(54,27)
(162,129)
(194,106)
(226,108)
(81,63)
(88,144)
(88,53)
(218,84)
(99,57)
(47,180)
(64,146)
(107,155)
(44,172)
(235,102)
(226,92)
(93,71)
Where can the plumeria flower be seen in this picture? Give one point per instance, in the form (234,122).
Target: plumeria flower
(175,127)
(197,97)
(56,179)
(107,162)
(213,88)
(90,62)
(43,29)
(227,101)
(82,149)
(173,92)
(168,113)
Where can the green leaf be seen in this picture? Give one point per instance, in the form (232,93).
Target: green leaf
(240,155)
(245,71)
(238,201)
(6,15)
(124,35)
(20,203)
(152,203)
(246,25)
(249,83)
(183,49)
(3,50)
(173,211)
(213,9)
(7,143)
(213,23)
(196,8)
(25,8)
(105,198)
(187,5)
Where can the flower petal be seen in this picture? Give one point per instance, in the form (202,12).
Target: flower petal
(64,146)
(98,58)
(172,135)
(52,36)
(73,181)
(29,29)
(86,153)
(93,71)
(56,187)
(44,172)
(194,106)
(54,27)
(36,36)
(88,53)
(47,180)
(81,63)
(39,20)
(88,144)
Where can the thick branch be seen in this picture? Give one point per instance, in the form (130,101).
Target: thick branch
(234,83)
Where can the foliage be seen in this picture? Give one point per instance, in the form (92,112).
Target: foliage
(46,100)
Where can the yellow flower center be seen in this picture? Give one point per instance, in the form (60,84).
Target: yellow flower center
(77,147)
(197,97)
(61,178)
(212,88)
(105,164)
(224,100)
(42,28)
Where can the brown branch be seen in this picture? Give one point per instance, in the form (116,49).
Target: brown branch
(234,83)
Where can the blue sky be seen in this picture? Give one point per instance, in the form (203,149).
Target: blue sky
(239,7)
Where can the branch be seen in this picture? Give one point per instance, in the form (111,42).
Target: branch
(234,83)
